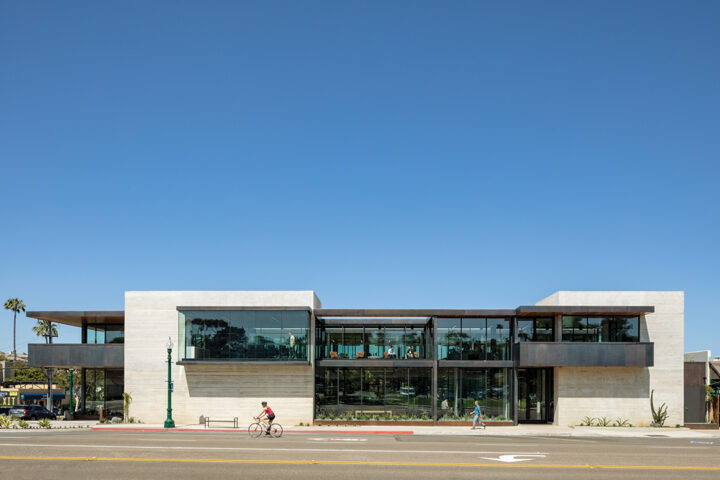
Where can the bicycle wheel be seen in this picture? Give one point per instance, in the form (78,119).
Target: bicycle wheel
(276,430)
(255,430)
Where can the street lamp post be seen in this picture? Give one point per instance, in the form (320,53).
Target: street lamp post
(169,422)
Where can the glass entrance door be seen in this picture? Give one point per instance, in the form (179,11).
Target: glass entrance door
(535,395)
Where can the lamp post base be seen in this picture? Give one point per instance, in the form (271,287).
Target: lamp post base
(169,423)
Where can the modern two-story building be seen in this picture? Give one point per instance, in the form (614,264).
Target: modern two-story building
(572,355)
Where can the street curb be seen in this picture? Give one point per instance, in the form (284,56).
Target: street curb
(239,430)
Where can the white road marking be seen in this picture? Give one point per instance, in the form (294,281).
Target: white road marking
(254,449)
(338,439)
(163,440)
(514,458)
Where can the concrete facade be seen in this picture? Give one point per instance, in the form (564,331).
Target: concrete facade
(599,379)
(221,391)
(625,391)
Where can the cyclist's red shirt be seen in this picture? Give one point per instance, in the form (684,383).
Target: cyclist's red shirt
(269,411)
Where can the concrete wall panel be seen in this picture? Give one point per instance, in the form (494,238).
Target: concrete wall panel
(227,390)
(582,392)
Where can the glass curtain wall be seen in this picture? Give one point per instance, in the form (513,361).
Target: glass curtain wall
(459,388)
(245,334)
(373,342)
(473,338)
(536,329)
(600,329)
(105,333)
(365,393)
(103,389)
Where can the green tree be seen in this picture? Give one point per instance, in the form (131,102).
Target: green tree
(28,374)
(47,329)
(16,305)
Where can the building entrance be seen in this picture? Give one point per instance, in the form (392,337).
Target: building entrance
(535,395)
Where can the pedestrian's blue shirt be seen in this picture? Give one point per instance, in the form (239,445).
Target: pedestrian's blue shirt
(477,410)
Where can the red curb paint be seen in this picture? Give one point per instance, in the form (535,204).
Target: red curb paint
(341,432)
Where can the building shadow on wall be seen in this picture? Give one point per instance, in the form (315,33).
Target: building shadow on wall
(609,382)
(234,382)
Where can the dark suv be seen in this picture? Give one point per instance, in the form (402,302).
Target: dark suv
(31,412)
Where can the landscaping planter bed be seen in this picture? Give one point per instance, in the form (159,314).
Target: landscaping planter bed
(489,423)
(376,423)
(702,426)
(407,423)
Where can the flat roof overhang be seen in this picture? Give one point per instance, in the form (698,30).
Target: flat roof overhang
(533,310)
(522,311)
(408,312)
(77,318)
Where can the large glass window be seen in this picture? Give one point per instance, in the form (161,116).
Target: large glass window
(375,342)
(245,334)
(600,329)
(414,341)
(536,330)
(104,333)
(473,338)
(450,338)
(498,339)
(626,329)
(459,388)
(365,393)
(394,342)
(353,343)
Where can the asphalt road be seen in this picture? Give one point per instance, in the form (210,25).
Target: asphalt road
(176,455)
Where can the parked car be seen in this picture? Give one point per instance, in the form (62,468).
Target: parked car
(4,410)
(31,412)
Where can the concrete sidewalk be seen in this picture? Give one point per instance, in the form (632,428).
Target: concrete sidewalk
(516,431)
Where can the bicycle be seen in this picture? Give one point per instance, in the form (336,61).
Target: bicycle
(258,428)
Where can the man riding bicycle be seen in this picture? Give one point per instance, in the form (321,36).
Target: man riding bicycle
(268,413)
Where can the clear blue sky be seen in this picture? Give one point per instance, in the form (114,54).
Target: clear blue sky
(384,154)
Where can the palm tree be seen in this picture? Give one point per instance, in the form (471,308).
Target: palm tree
(45,328)
(16,305)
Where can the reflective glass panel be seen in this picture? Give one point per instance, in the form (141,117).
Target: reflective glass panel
(449,338)
(474,338)
(525,330)
(448,397)
(593,329)
(544,330)
(414,341)
(353,342)
(334,339)
(498,332)
(245,334)
(394,342)
(626,329)
(573,328)
(376,342)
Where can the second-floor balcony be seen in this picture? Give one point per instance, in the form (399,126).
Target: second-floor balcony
(76,355)
(585,354)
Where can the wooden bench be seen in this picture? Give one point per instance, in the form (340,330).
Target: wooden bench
(208,421)
(376,412)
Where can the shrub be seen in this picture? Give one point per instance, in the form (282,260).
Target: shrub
(44,423)
(23,424)
(622,422)
(659,415)
(6,422)
(587,422)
